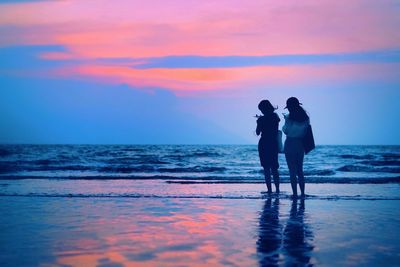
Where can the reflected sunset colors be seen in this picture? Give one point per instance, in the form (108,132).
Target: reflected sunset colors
(171,232)
(52,226)
(160,232)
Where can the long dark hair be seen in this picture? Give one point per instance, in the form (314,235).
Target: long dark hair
(297,113)
(266,107)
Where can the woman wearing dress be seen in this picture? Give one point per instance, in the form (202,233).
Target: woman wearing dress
(267,126)
(295,128)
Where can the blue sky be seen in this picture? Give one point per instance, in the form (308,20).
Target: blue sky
(64,110)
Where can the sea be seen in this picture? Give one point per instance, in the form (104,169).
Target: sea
(188,164)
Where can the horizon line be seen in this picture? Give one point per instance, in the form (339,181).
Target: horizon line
(175,144)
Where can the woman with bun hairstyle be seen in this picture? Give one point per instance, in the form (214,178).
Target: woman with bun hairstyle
(296,124)
(267,126)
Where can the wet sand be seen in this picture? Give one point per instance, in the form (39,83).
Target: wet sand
(201,231)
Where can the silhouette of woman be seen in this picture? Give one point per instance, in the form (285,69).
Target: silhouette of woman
(267,126)
(295,127)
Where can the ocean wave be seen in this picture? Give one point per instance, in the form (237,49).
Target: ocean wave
(36,162)
(214,179)
(195,169)
(12,168)
(381,162)
(361,168)
(350,156)
(7,168)
(319,172)
(125,169)
(322,172)
(261,195)
(389,156)
(5,152)
(137,159)
(44,162)
(310,180)
(259,171)
(60,168)
(204,154)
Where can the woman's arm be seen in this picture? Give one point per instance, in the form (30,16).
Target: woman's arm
(258,130)
(285,127)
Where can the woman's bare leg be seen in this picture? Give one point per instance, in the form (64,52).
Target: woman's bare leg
(275,174)
(291,162)
(300,173)
(267,176)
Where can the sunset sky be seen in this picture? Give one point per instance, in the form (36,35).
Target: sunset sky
(193,72)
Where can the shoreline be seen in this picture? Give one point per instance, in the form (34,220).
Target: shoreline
(162,189)
(215,180)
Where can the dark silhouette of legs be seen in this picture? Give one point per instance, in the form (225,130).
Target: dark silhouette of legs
(275,174)
(301,182)
(293,182)
(292,165)
(300,173)
(295,165)
(267,176)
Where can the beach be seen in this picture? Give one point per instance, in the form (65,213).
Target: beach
(45,224)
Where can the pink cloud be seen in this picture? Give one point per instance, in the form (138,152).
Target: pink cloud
(195,80)
(152,28)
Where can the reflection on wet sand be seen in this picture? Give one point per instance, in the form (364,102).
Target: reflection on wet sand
(50,231)
(270,234)
(156,232)
(297,237)
(293,245)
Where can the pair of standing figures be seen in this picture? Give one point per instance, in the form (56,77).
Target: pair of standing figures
(295,127)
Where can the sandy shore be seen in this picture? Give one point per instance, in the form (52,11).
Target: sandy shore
(169,231)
